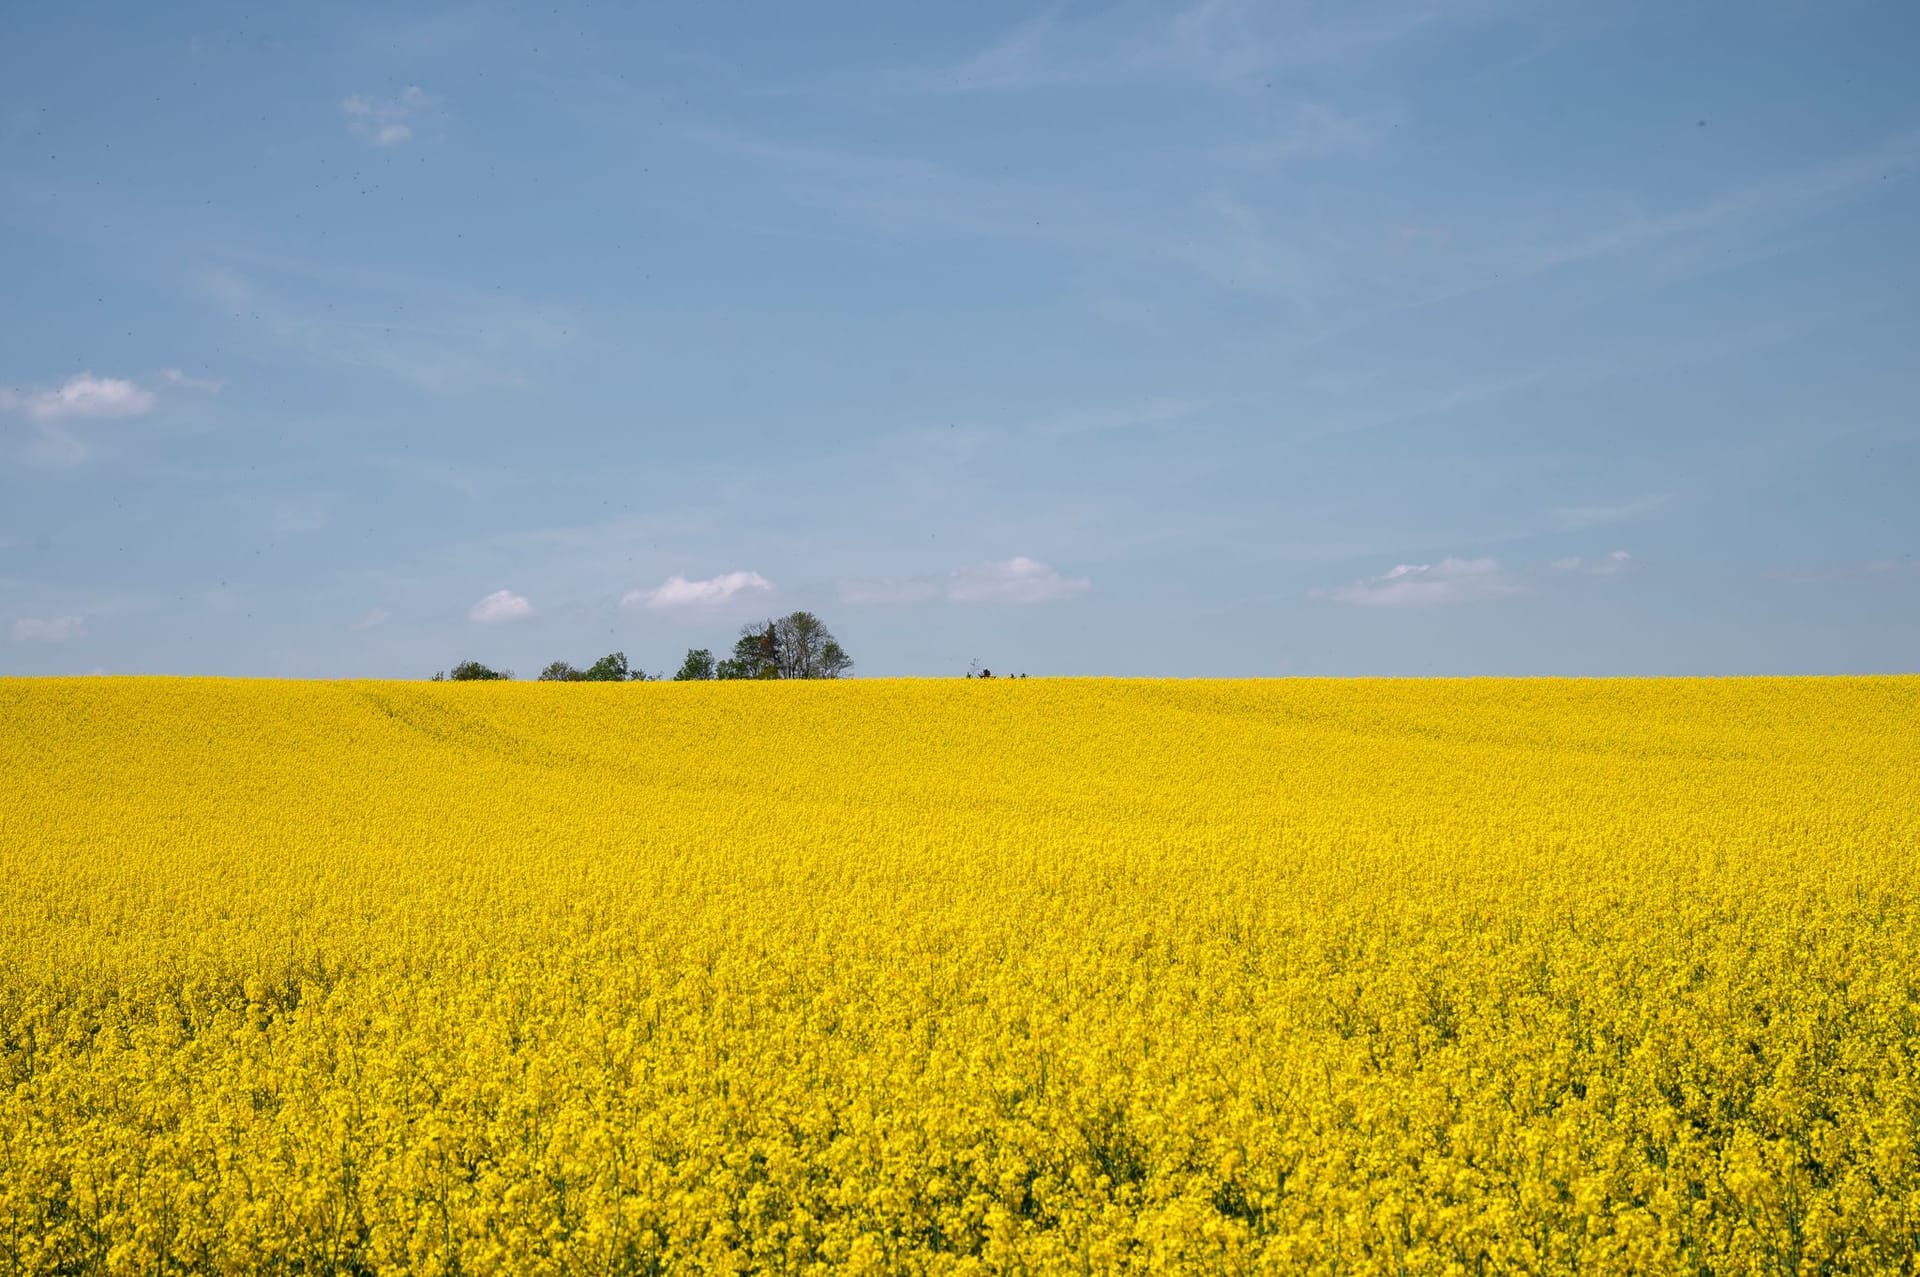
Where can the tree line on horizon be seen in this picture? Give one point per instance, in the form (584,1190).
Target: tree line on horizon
(797,645)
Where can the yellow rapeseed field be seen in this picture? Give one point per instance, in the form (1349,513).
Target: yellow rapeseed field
(960,976)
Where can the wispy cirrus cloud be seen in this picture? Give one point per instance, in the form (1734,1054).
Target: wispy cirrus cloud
(678,592)
(1758,208)
(1452,581)
(1580,517)
(52,412)
(1016,580)
(1311,131)
(1217,235)
(388,121)
(1614,564)
(501,605)
(55,629)
(1449,581)
(441,338)
(1158,411)
(206,385)
(81,397)
(1207,42)
(1887,572)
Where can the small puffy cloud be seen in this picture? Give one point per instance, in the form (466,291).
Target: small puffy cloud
(388,121)
(379,616)
(1017,580)
(56,629)
(206,385)
(679,592)
(1427,585)
(83,396)
(501,605)
(1613,565)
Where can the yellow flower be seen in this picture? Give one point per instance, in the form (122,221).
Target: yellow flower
(1057,975)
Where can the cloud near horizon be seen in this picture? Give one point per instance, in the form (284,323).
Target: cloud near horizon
(501,605)
(57,629)
(679,592)
(1427,585)
(1017,580)
(1613,565)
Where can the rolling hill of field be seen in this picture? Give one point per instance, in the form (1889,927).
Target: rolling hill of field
(1080,975)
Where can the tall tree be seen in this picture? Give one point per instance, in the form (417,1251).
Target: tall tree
(798,645)
(560,672)
(756,653)
(611,668)
(697,666)
(807,648)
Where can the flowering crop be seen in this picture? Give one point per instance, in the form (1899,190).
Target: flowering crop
(960,976)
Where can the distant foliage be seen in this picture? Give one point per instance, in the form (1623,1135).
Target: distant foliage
(611,668)
(798,645)
(471,672)
(698,666)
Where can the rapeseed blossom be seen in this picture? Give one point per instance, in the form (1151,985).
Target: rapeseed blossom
(960,976)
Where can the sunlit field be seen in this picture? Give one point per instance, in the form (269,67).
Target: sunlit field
(969,976)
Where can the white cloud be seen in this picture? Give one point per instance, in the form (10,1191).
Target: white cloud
(83,396)
(1314,131)
(679,592)
(1427,585)
(379,616)
(501,605)
(1017,580)
(445,339)
(388,121)
(1613,565)
(56,629)
(1576,518)
(208,385)
(1152,412)
(1218,42)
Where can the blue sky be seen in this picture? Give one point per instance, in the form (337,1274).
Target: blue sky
(1226,338)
